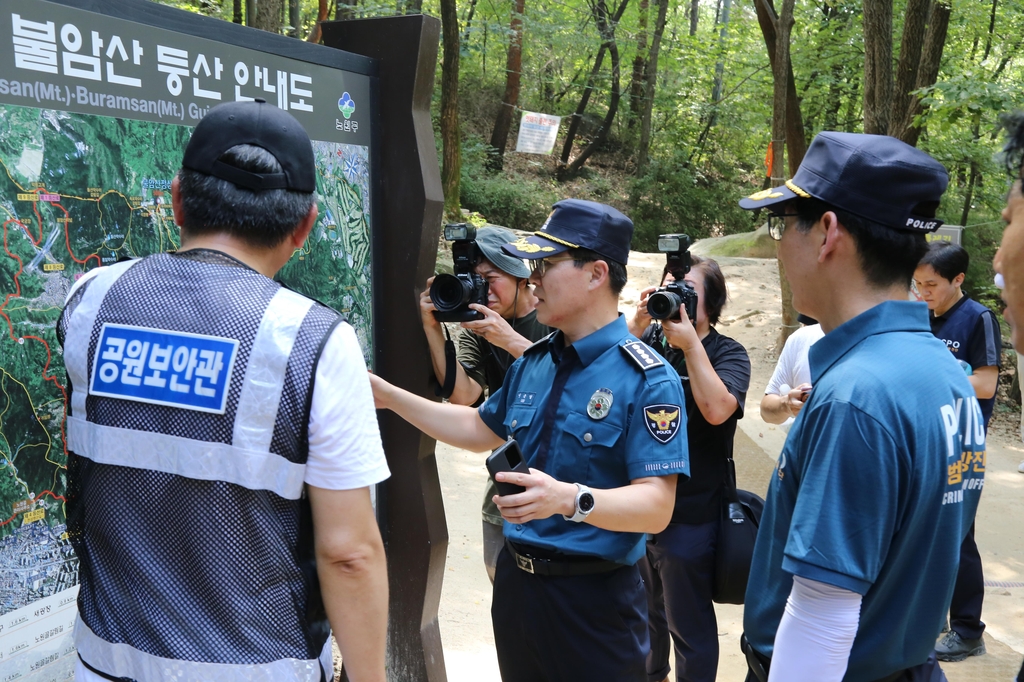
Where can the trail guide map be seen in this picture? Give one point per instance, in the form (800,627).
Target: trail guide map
(83,186)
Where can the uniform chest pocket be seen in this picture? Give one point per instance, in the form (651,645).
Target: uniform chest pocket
(587,451)
(517,418)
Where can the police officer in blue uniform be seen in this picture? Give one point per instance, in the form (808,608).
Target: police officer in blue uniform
(881,473)
(600,422)
(971,332)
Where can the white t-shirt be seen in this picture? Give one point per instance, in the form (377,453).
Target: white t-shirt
(793,368)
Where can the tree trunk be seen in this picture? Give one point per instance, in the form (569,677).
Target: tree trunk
(345,10)
(451,139)
(928,71)
(877,66)
(323,9)
(910,59)
(513,66)
(236,11)
(607,28)
(577,116)
(268,15)
(652,79)
(796,143)
(636,85)
(293,18)
(694,16)
(413,6)
(469,21)
(716,88)
(780,78)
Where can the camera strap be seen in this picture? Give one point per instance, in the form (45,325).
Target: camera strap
(448,388)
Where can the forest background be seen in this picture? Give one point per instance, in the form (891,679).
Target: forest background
(673,109)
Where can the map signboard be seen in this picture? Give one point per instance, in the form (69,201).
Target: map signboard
(97,102)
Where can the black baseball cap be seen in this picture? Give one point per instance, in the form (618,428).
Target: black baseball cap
(578,224)
(876,177)
(259,124)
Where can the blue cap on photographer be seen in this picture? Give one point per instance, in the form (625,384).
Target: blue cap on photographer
(875,177)
(490,240)
(578,224)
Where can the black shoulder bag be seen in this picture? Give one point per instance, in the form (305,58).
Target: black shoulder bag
(737,532)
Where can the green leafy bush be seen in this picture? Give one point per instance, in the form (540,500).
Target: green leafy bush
(519,202)
(672,198)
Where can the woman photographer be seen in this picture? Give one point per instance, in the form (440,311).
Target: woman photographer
(680,562)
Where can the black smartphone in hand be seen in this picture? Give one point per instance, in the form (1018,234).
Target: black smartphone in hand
(507,458)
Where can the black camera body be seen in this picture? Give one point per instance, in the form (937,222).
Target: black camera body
(452,294)
(667,301)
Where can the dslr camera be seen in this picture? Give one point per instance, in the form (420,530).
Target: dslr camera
(667,301)
(452,294)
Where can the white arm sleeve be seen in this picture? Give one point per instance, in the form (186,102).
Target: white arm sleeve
(816,633)
(345,451)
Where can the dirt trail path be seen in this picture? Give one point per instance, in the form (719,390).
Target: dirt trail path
(752,318)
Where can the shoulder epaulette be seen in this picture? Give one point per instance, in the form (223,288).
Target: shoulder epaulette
(643,355)
(539,343)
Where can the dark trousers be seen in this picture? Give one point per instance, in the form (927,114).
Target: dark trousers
(968,592)
(679,571)
(929,671)
(571,628)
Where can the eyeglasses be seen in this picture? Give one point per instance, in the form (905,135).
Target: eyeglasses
(540,266)
(777,224)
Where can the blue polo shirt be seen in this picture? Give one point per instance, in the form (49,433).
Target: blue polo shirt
(875,488)
(601,412)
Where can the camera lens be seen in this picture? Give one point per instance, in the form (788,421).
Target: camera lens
(449,292)
(663,305)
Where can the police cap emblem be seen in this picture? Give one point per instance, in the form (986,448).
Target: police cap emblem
(600,403)
(662,421)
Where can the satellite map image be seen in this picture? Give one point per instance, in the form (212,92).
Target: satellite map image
(77,192)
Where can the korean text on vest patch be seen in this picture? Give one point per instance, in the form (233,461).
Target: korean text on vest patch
(163,367)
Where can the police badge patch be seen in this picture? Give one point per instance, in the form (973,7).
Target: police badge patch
(662,421)
(600,403)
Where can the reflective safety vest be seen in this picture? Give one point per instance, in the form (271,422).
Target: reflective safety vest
(192,379)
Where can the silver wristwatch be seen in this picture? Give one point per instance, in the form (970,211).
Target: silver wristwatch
(584,504)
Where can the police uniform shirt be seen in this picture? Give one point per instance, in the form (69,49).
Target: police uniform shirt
(487,365)
(971,333)
(699,499)
(875,488)
(602,412)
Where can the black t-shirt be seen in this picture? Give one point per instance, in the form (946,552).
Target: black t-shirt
(487,364)
(699,499)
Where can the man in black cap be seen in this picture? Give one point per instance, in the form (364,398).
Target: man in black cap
(880,476)
(598,415)
(487,348)
(218,482)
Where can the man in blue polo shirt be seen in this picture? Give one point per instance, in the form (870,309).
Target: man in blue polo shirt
(880,476)
(971,333)
(598,416)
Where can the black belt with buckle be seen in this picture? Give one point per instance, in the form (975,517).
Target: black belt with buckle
(542,562)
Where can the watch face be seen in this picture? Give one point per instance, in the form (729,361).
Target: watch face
(586,502)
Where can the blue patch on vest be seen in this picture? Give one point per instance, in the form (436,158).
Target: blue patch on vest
(162,367)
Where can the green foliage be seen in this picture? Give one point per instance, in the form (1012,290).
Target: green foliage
(521,203)
(671,198)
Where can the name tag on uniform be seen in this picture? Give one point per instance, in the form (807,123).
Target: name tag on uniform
(523,398)
(190,371)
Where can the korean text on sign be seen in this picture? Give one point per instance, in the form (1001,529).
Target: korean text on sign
(157,366)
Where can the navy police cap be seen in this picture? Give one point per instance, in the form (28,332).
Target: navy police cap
(259,124)
(578,224)
(876,177)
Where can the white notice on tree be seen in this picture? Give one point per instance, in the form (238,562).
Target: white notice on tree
(537,133)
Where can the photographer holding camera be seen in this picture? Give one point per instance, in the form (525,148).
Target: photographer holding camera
(715,374)
(487,346)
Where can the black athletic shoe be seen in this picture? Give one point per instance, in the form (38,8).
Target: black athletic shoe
(953,647)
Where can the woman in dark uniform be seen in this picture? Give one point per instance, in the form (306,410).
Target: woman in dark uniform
(680,562)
